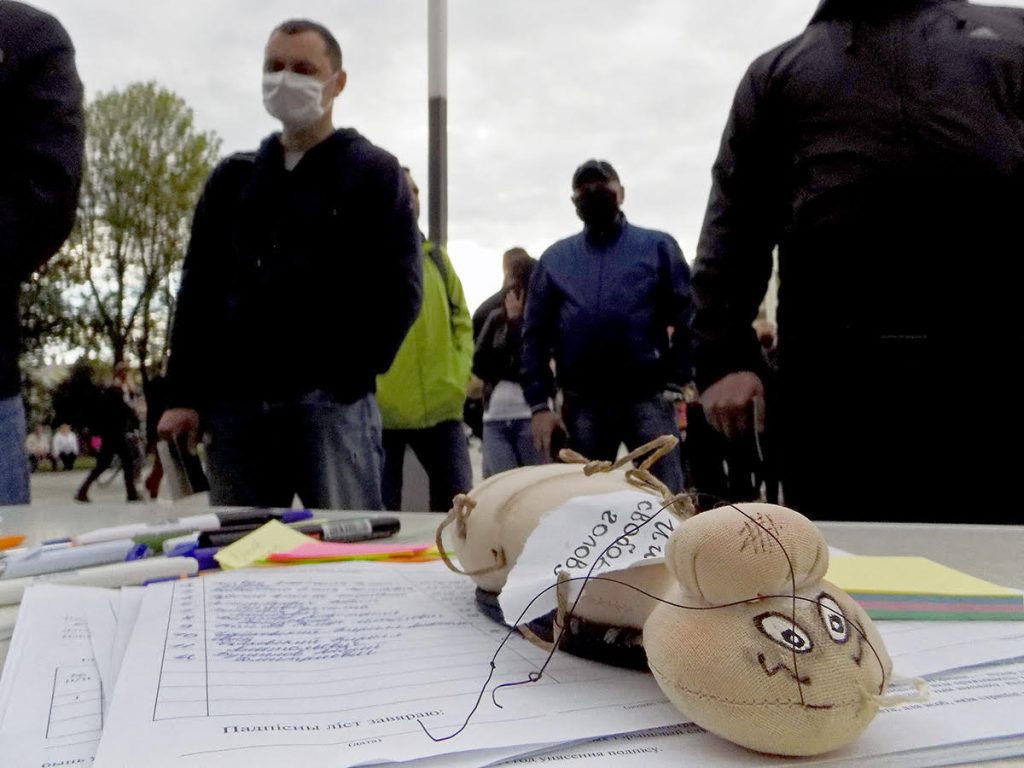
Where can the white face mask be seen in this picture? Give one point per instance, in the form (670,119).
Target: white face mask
(296,100)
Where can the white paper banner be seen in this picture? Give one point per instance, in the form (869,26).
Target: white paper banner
(606,532)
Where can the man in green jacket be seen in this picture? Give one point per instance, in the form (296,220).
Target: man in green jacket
(422,394)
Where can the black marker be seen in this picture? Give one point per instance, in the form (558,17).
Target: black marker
(351,530)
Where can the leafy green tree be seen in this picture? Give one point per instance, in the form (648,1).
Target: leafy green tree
(145,165)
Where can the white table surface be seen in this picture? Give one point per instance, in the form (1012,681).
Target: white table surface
(990,552)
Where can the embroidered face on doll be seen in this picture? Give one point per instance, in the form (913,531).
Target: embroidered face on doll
(779,660)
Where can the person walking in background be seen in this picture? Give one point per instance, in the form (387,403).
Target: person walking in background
(41,142)
(422,395)
(301,280)
(117,424)
(880,151)
(65,447)
(601,304)
(498,362)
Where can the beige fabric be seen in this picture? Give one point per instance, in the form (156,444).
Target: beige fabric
(507,507)
(797,674)
(726,556)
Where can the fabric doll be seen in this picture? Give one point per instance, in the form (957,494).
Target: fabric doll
(775,658)
(493,522)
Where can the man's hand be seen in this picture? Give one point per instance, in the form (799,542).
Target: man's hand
(179,421)
(734,403)
(543,425)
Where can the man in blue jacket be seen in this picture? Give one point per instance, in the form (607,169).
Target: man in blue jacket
(611,307)
(41,139)
(302,277)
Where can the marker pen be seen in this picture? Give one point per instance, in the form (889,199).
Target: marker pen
(192,537)
(22,551)
(206,522)
(117,575)
(353,529)
(205,556)
(47,560)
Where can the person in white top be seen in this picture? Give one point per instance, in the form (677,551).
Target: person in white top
(507,437)
(65,446)
(37,446)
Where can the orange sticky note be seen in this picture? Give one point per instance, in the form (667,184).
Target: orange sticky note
(9,542)
(334,550)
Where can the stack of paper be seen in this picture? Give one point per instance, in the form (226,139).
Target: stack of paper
(343,665)
(918,588)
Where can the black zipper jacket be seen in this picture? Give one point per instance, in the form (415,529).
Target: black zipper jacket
(41,137)
(882,152)
(296,280)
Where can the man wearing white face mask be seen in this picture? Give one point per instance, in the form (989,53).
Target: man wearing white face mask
(301,280)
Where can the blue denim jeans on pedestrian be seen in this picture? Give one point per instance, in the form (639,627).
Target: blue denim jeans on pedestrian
(598,426)
(263,454)
(14,486)
(507,444)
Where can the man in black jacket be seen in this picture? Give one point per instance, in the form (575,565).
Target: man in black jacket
(882,152)
(41,137)
(301,280)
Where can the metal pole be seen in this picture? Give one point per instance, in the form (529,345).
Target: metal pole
(437,75)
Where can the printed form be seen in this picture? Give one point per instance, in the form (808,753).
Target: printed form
(338,665)
(51,696)
(974,715)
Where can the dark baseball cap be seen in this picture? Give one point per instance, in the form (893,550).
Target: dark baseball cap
(594,170)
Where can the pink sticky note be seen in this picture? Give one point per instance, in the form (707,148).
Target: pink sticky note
(322,550)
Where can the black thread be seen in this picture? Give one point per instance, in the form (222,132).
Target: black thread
(536,675)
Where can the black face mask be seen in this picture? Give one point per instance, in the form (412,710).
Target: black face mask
(598,207)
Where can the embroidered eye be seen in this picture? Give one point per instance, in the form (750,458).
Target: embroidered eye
(832,617)
(784,631)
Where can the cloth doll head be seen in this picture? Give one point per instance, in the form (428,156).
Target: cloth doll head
(775,658)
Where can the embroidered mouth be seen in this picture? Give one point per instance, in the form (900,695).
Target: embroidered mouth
(780,667)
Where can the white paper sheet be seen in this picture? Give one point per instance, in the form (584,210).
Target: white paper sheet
(922,648)
(129,603)
(334,666)
(606,532)
(52,685)
(980,706)
(102,628)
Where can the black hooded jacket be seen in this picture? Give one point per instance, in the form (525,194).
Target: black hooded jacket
(296,280)
(882,152)
(41,138)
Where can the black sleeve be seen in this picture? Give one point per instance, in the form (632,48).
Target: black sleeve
(399,264)
(486,362)
(202,290)
(44,136)
(539,328)
(741,228)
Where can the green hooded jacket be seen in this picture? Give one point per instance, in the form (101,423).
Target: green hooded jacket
(426,383)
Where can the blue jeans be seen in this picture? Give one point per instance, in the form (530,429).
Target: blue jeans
(597,427)
(508,443)
(14,488)
(444,453)
(329,453)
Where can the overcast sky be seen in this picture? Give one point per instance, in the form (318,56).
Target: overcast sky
(534,88)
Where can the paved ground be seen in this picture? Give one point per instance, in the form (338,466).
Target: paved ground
(50,488)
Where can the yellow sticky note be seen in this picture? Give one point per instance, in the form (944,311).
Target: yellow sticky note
(859,574)
(272,537)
